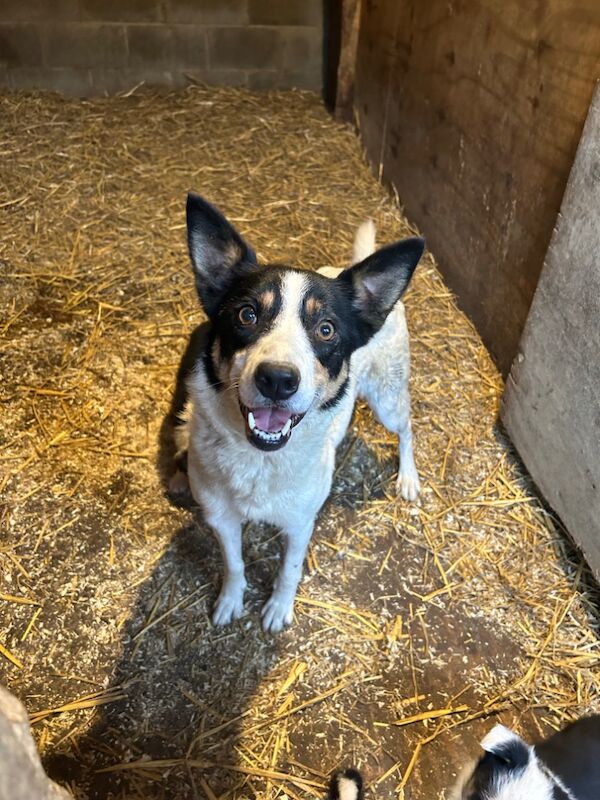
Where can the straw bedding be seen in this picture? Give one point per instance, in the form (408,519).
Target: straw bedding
(417,625)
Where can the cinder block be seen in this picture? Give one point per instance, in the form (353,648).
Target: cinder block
(302,48)
(69,81)
(38,10)
(244,48)
(120,10)
(310,78)
(218,77)
(207,12)
(84,45)
(111,81)
(20,45)
(168,46)
(286,12)
(263,79)
(285,79)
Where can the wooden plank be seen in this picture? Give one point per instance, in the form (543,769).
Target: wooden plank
(344,103)
(552,398)
(473,110)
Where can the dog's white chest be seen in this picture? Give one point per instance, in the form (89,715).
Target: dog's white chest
(225,470)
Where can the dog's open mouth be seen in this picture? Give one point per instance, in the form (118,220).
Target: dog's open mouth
(269,427)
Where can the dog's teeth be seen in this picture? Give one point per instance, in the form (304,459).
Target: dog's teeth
(286,428)
(251,422)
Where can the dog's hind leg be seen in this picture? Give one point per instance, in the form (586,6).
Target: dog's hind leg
(278,611)
(387,393)
(230,603)
(394,414)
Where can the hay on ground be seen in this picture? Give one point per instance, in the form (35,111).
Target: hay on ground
(417,625)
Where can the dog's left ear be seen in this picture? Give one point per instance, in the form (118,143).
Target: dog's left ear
(381,279)
(217,251)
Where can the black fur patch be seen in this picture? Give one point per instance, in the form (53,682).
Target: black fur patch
(332,300)
(573,756)
(249,290)
(195,350)
(333,401)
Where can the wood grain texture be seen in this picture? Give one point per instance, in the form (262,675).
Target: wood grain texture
(552,399)
(344,103)
(473,110)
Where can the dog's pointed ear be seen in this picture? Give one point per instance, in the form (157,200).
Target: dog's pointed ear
(507,747)
(381,279)
(217,251)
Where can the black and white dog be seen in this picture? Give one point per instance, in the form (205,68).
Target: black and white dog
(564,767)
(271,385)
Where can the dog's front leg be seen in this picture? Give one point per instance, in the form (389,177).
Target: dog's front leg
(230,603)
(278,611)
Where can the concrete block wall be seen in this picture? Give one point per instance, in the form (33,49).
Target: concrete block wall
(87,47)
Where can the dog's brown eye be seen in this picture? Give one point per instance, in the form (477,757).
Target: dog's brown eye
(325,331)
(247,315)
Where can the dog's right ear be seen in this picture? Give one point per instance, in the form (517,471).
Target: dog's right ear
(217,251)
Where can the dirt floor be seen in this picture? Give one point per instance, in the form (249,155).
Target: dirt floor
(417,625)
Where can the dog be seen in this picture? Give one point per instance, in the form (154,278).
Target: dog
(266,389)
(565,766)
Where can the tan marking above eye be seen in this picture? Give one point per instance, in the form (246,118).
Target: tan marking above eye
(313,306)
(267,299)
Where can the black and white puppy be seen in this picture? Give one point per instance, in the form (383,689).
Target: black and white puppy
(284,355)
(564,767)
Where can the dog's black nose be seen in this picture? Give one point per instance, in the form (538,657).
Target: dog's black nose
(277,380)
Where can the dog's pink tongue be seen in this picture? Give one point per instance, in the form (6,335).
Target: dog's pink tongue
(271,419)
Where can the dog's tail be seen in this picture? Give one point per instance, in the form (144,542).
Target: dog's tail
(346,785)
(364,241)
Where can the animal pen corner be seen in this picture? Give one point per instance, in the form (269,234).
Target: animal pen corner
(416,624)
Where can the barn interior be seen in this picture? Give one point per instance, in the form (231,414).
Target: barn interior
(418,625)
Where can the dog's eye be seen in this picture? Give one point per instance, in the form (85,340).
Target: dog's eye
(325,331)
(247,315)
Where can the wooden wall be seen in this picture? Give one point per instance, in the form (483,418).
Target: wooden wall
(473,110)
(552,400)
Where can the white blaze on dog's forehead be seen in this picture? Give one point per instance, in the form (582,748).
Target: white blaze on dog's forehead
(498,737)
(287,340)
(347,788)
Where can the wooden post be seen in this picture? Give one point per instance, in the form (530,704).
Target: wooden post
(344,101)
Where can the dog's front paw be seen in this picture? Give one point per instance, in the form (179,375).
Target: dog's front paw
(277,612)
(407,484)
(229,605)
